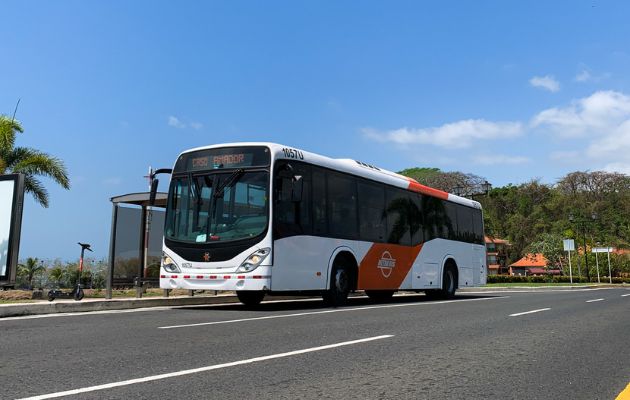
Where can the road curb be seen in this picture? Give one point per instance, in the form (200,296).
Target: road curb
(22,309)
(87,305)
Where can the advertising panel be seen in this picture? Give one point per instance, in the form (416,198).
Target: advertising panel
(11,204)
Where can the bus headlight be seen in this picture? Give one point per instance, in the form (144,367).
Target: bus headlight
(169,265)
(253,261)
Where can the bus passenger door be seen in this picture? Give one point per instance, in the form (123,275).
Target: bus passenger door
(479,264)
(296,256)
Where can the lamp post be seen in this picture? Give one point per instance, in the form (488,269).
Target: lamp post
(486,186)
(581,224)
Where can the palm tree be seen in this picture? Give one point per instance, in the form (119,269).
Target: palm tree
(29,162)
(30,269)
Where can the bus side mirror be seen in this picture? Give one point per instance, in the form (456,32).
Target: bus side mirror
(296,188)
(154,186)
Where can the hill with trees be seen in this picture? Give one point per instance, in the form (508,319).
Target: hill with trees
(535,217)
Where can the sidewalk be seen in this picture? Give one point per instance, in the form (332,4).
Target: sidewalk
(92,304)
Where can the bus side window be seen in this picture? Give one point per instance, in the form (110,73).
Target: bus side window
(342,206)
(450,228)
(478,226)
(320,221)
(433,217)
(292,213)
(465,223)
(399,208)
(416,221)
(372,216)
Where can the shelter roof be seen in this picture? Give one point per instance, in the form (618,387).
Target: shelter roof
(140,199)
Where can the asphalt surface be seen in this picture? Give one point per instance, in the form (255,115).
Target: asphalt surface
(411,348)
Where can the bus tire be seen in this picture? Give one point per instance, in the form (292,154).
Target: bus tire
(340,281)
(379,295)
(449,284)
(250,298)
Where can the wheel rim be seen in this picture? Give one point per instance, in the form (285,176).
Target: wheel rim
(341,281)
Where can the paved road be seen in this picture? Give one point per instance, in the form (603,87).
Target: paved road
(479,346)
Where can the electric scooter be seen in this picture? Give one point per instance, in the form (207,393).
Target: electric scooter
(77,292)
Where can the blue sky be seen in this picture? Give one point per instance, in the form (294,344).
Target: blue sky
(507,90)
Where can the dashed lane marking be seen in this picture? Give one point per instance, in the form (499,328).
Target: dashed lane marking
(529,312)
(594,300)
(202,369)
(336,310)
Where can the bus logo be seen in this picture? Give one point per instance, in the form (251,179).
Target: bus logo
(386,264)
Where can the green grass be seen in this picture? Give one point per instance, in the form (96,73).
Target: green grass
(530,284)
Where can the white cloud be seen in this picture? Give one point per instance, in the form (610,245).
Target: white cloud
(586,76)
(453,135)
(494,159)
(594,133)
(547,82)
(583,76)
(563,155)
(179,124)
(602,121)
(593,115)
(613,148)
(175,122)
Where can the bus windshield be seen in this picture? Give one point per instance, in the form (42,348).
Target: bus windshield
(217,206)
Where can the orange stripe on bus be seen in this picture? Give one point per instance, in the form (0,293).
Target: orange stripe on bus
(385,266)
(417,187)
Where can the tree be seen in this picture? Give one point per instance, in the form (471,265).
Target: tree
(31,268)
(468,184)
(551,247)
(29,162)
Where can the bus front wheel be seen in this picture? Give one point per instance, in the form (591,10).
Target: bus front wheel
(340,280)
(250,297)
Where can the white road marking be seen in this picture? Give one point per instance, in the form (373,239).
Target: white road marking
(160,308)
(202,369)
(594,300)
(336,310)
(86,313)
(624,295)
(529,312)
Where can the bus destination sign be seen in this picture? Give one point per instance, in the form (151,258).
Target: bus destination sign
(228,157)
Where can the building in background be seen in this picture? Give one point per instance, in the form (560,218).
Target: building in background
(496,253)
(533,264)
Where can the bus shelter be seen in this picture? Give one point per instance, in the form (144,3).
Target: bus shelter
(135,246)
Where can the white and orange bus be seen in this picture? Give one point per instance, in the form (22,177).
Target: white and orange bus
(262,218)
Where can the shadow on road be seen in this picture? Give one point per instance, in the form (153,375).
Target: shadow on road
(271,303)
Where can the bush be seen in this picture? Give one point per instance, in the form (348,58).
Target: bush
(549,279)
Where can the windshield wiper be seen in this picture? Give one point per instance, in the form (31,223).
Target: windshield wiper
(227,182)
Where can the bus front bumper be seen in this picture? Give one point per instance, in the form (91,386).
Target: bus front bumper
(230,282)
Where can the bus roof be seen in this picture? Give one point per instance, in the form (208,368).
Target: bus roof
(350,166)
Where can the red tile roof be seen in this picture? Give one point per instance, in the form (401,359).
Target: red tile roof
(531,260)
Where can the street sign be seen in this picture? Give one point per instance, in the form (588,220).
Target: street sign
(569,245)
(602,250)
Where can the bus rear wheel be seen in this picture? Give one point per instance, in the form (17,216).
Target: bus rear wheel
(250,297)
(449,284)
(340,280)
(379,295)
